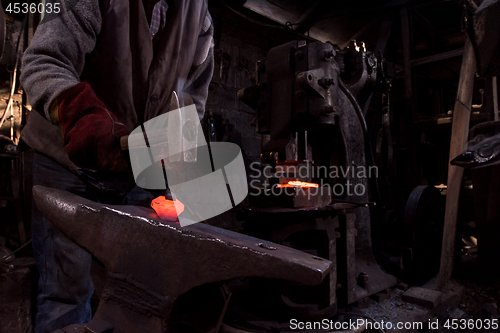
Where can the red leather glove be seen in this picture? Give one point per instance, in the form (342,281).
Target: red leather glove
(91,132)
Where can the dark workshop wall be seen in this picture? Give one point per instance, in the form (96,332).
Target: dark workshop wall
(234,62)
(239,44)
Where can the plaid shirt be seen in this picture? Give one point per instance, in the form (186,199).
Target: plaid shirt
(158,17)
(156,12)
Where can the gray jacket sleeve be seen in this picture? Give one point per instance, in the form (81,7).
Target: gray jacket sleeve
(202,69)
(56,57)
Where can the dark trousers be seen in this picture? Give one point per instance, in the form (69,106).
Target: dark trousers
(65,286)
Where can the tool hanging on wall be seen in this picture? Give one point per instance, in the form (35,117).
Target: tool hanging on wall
(9,108)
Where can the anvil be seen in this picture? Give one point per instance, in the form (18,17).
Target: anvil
(150,263)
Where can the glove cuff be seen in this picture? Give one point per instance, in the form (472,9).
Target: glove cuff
(91,132)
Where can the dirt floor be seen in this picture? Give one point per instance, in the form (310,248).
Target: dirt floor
(482,290)
(479,304)
(469,303)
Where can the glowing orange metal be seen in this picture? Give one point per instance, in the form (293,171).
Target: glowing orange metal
(167,209)
(296,183)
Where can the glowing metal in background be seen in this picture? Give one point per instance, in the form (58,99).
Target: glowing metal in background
(296,183)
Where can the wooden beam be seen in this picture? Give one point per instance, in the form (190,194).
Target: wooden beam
(459,135)
(405,34)
(437,57)
(278,14)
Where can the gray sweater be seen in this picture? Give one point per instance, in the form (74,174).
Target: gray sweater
(108,44)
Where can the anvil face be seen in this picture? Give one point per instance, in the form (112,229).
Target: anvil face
(150,262)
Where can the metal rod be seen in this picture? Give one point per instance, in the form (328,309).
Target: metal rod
(278,26)
(495,98)
(14,74)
